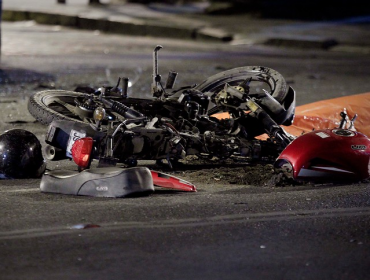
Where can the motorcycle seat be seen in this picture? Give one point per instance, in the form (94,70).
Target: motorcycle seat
(99,182)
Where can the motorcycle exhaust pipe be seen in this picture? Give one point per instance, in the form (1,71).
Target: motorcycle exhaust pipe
(54,154)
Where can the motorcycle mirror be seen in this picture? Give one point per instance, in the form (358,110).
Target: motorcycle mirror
(81,152)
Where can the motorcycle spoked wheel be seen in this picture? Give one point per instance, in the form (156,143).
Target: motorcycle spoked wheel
(47,106)
(262,77)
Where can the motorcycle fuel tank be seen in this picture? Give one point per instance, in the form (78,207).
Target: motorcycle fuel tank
(330,154)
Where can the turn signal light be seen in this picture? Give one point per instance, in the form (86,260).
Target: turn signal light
(99,114)
(81,151)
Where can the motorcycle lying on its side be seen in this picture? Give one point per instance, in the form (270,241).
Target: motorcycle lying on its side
(108,125)
(175,123)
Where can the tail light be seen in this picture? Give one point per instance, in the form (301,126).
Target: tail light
(81,152)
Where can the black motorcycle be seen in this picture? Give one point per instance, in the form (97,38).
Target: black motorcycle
(219,118)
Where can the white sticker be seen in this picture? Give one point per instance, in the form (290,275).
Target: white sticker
(51,133)
(74,135)
(102,188)
(322,135)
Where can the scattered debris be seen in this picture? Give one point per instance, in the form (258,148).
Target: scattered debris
(258,175)
(84,226)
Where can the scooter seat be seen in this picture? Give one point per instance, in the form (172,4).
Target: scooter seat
(99,182)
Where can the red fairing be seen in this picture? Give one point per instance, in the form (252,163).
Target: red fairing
(330,153)
(167,181)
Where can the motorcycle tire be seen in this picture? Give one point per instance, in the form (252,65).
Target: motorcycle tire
(47,106)
(272,78)
(43,106)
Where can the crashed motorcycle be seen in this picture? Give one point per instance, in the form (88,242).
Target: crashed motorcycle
(108,125)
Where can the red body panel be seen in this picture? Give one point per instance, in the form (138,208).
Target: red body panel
(171,182)
(333,153)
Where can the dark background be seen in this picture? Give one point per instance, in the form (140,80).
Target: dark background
(313,9)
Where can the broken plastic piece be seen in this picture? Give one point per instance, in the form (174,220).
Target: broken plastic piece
(85,226)
(167,181)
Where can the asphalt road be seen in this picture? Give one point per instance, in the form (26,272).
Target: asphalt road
(219,232)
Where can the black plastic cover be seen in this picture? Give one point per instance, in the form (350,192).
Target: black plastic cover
(99,182)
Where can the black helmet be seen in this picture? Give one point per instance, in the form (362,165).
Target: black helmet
(20,155)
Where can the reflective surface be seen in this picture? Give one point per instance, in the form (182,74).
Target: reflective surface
(20,155)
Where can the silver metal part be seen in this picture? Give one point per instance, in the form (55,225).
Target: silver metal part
(156,78)
(352,123)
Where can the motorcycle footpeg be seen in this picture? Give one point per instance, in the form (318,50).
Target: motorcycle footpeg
(99,182)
